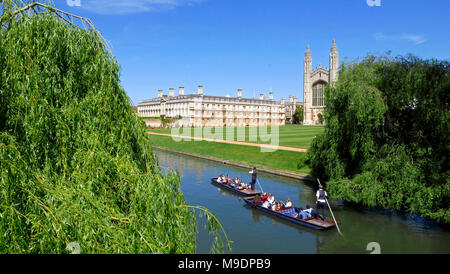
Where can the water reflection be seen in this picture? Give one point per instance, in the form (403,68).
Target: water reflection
(253,231)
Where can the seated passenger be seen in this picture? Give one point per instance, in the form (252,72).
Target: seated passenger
(302,215)
(257,199)
(266,204)
(288,202)
(276,206)
(271,199)
(309,211)
(264,197)
(281,204)
(228,178)
(221,179)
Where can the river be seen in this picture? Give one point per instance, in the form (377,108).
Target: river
(252,231)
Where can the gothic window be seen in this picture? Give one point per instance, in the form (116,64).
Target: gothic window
(318,94)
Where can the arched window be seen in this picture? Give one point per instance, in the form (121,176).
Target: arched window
(318,94)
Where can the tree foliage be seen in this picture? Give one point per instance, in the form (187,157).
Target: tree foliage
(298,116)
(386,138)
(75,162)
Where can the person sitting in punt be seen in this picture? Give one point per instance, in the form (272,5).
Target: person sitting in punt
(288,203)
(281,204)
(302,214)
(237,186)
(264,197)
(242,186)
(257,199)
(228,178)
(309,211)
(271,199)
(221,179)
(276,206)
(266,204)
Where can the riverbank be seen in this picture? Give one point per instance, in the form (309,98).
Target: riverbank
(285,173)
(265,146)
(280,160)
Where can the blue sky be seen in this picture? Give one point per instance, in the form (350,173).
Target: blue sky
(256,45)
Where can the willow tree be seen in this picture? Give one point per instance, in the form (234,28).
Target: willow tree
(386,135)
(75,163)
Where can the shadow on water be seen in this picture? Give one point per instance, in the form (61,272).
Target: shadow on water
(256,232)
(415,221)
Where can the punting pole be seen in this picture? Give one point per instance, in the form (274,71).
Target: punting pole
(337,226)
(259,185)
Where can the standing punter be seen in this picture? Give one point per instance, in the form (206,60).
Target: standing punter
(254,174)
(321,196)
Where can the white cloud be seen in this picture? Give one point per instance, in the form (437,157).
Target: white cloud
(416,39)
(134,6)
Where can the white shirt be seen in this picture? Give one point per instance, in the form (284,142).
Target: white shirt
(318,194)
(271,199)
(288,204)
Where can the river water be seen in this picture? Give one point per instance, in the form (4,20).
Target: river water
(252,231)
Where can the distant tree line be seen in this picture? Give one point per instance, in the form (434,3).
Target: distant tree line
(386,137)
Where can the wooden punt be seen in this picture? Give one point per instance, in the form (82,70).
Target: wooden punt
(313,223)
(227,186)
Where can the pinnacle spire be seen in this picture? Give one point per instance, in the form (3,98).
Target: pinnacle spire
(334,46)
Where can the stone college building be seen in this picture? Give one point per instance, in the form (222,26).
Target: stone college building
(200,110)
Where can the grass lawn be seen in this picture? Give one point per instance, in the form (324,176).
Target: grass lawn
(285,160)
(289,135)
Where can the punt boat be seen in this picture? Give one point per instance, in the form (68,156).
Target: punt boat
(247,193)
(288,215)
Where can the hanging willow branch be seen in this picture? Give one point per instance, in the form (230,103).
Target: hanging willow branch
(214,227)
(33,8)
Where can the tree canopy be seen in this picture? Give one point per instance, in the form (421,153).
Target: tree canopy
(298,115)
(386,137)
